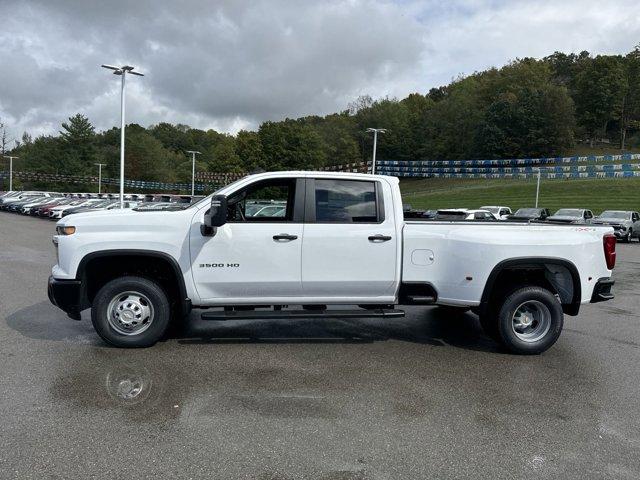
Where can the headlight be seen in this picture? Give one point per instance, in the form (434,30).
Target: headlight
(60,230)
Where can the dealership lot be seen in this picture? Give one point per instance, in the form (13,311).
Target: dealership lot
(424,396)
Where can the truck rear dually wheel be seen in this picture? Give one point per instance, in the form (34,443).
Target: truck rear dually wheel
(131,312)
(529,321)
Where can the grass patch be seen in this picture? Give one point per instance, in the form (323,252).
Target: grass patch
(595,194)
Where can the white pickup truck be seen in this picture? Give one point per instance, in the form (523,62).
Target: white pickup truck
(328,239)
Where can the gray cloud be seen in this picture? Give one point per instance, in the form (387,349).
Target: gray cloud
(231,64)
(212,64)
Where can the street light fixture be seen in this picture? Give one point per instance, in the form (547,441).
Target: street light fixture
(11,158)
(193,170)
(100,165)
(122,71)
(375,144)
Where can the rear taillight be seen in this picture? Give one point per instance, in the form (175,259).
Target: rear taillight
(609,242)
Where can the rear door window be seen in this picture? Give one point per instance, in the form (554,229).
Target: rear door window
(346,201)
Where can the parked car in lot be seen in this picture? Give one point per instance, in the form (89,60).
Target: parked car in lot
(420,214)
(43,210)
(7,202)
(160,206)
(572,215)
(527,214)
(56,205)
(57,211)
(626,224)
(94,207)
(501,213)
(342,240)
(27,207)
(13,197)
(464,214)
(16,206)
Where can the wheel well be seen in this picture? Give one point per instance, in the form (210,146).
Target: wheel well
(96,271)
(559,277)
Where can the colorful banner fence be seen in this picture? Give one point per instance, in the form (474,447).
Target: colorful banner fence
(512,162)
(578,171)
(558,167)
(543,174)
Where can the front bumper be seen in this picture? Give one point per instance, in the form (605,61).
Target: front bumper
(602,290)
(66,295)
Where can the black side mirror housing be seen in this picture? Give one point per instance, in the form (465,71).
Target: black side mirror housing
(216,216)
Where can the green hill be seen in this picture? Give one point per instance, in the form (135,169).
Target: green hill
(595,194)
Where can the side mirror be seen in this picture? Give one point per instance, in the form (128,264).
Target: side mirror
(216,216)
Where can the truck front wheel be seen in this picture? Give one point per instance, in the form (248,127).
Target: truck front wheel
(529,320)
(131,312)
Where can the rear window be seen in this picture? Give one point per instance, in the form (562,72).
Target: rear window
(569,212)
(450,215)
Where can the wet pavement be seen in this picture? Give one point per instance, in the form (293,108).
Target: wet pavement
(427,396)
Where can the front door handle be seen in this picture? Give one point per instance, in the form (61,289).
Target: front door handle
(379,238)
(285,237)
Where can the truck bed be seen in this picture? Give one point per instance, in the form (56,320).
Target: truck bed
(458,256)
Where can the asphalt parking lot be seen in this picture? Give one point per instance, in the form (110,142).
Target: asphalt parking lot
(427,396)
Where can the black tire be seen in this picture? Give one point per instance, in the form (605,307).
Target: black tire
(628,237)
(550,313)
(150,297)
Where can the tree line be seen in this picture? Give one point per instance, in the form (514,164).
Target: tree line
(527,108)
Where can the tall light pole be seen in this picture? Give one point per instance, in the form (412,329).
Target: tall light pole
(193,170)
(11,158)
(538,187)
(122,71)
(100,165)
(375,145)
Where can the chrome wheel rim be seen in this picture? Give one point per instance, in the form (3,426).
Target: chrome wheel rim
(531,321)
(130,313)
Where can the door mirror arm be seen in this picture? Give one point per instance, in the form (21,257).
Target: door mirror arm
(207,231)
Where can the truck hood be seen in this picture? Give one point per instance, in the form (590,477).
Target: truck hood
(123,217)
(564,218)
(611,221)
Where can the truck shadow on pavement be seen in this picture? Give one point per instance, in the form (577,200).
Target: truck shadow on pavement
(43,321)
(427,326)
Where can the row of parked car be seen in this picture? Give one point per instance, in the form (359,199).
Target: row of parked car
(625,223)
(56,205)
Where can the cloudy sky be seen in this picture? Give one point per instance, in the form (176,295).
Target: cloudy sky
(230,64)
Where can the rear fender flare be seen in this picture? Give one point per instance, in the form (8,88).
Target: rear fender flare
(570,306)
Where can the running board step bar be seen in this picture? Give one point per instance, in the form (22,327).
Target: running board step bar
(421,300)
(285,314)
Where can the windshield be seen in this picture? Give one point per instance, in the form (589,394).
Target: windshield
(615,214)
(495,210)
(527,212)
(569,212)
(207,199)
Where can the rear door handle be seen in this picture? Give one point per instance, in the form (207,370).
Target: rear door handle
(284,236)
(379,238)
